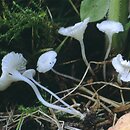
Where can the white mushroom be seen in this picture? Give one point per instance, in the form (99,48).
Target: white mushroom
(77,31)
(46,61)
(13,64)
(122,67)
(109,28)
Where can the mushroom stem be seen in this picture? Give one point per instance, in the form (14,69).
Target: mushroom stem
(84,56)
(106,55)
(67,110)
(53,94)
(109,46)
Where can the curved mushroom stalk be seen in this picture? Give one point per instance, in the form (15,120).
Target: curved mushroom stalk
(30,74)
(77,32)
(56,107)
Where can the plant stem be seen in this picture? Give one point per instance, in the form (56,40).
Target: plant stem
(106,55)
(118,11)
(109,47)
(61,45)
(74,7)
(32,38)
(84,56)
(65,76)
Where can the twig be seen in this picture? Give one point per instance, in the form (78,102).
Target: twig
(74,89)
(106,100)
(107,83)
(122,98)
(94,100)
(65,76)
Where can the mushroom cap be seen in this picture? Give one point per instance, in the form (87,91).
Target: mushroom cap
(30,73)
(123,123)
(75,31)
(13,61)
(13,64)
(110,27)
(122,67)
(46,61)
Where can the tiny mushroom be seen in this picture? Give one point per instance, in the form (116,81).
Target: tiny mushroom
(14,69)
(122,67)
(77,31)
(109,27)
(13,64)
(46,61)
(123,123)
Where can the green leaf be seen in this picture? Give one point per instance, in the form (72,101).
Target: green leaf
(95,9)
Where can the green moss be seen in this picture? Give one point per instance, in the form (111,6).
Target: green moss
(27,27)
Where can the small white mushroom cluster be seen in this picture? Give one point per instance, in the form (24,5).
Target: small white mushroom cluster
(77,31)
(14,69)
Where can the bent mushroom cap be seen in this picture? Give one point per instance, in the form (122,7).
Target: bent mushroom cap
(75,31)
(122,67)
(123,123)
(13,61)
(110,27)
(13,64)
(46,61)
